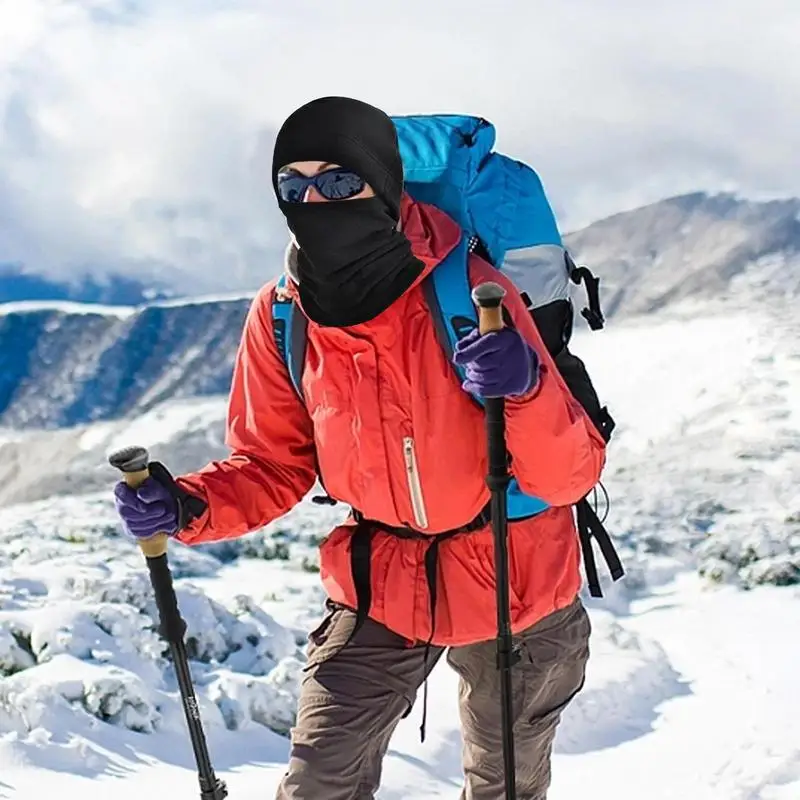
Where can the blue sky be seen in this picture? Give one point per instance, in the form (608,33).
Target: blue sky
(138,135)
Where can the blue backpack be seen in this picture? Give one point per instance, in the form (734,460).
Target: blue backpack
(506,218)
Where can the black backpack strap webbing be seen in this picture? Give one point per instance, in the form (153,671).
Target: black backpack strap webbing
(590,527)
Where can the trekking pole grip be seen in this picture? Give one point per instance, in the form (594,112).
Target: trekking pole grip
(488,297)
(133,463)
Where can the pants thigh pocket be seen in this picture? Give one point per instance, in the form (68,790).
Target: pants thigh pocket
(541,716)
(329,637)
(554,659)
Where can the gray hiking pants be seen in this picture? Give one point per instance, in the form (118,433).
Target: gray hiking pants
(353,697)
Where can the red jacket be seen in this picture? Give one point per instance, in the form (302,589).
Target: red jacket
(398,439)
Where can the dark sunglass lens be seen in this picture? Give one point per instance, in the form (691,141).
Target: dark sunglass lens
(292,187)
(339,184)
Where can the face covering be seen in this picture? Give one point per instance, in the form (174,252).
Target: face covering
(352,262)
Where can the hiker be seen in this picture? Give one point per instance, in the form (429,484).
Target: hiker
(390,430)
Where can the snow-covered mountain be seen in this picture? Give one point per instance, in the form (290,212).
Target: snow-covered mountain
(63,364)
(697,246)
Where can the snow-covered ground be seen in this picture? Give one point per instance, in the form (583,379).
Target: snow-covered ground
(692,688)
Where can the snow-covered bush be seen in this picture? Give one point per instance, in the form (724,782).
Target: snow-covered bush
(270,701)
(87,642)
(15,649)
(107,659)
(110,694)
(753,550)
(246,639)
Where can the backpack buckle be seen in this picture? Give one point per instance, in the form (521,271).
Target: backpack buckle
(593,314)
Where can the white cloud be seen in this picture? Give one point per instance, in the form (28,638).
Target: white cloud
(139,134)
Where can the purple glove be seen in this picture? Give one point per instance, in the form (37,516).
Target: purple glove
(499,364)
(149,510)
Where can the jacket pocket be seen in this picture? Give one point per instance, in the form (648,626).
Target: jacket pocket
(414,483)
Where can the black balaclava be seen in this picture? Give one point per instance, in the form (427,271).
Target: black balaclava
(352,262)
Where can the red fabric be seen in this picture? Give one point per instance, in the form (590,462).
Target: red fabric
(367,389)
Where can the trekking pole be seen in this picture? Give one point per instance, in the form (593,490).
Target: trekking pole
(489,299)
(133,463)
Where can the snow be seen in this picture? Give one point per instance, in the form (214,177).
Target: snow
(204,299)
(690,695)
(66,307)
(689,382)
(38,464)
(156,425)
(691,689)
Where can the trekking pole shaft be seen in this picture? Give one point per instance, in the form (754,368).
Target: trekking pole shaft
(498,482)
(172,626)
(211,788)
(488,297)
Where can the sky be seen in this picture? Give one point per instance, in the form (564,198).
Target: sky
(136,135)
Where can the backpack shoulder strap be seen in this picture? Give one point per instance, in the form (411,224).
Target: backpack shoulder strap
(289,325)
(448,294)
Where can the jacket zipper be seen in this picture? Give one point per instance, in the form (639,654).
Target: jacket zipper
(414,484)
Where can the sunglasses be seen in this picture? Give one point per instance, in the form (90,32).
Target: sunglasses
(333,184)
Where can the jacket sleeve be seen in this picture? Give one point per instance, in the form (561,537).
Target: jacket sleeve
(272,462)
(557,453)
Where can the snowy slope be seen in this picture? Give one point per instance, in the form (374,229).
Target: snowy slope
(37,464)
(708,450)
(691,688)
(656,719)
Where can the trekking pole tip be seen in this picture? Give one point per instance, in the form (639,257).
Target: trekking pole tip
(488,297)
